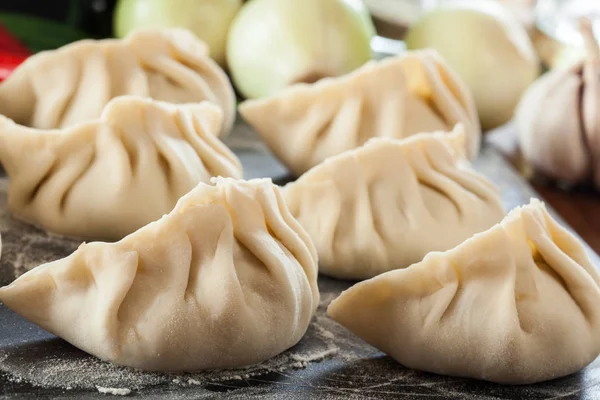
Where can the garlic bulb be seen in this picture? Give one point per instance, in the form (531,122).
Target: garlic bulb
(558,119)
(208,19)
(275,43)
(487,46)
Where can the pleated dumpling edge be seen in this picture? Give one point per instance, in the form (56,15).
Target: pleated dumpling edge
(104,179)
(227,279)
(396,97)
(515,304)
(388,203)
(72,84)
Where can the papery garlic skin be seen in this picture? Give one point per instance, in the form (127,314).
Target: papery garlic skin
(208,19)
(551,133)
(591,111)
(487,46)
(558,119)
(275,43)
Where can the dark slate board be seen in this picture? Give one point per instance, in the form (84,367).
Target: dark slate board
(35,364)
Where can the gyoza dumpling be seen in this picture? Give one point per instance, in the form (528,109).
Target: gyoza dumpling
(227,279)
(395,98)
(107,178)
(515,304)
(387,204)
(60,88)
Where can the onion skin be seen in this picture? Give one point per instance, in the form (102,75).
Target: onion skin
(208,19)
(487,47)
(275,43)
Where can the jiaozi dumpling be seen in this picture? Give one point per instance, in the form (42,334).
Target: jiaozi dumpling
(60,88)
(227,279)
(516,304)
(107,178)
(387,204)
(395,98)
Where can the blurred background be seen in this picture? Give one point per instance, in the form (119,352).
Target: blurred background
(29,26)
(498,47)
(484,50)
(41,24)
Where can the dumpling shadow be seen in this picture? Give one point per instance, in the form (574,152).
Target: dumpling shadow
(284,180)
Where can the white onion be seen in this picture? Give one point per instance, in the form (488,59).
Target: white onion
(488,47)
(275,43)
(208,19)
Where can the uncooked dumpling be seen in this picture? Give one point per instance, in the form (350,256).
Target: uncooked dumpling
(227,279)
(60,88)
(395,98)
(107,178)
(387,204)
(515,304)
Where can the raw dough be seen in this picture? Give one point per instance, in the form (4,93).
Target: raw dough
(63,87)
(397,97)
(387,204)
(516,304)
(227,279)
(105,179)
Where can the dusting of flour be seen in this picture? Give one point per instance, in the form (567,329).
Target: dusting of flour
(113,391)
(56,364)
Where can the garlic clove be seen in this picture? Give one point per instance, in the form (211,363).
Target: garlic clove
(591,117)
(551,135)
(558,118)
(591,95)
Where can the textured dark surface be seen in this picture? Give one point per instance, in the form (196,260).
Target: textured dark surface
(329,363)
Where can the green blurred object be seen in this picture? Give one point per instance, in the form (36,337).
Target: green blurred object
(40,34)
(208,19)
(45,25)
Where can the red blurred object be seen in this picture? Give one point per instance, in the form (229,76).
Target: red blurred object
(12,53)
(9,62)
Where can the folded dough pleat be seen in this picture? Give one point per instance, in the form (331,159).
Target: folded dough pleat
(107,178)
(388,203)
(60,88)
(515,304)
(395,98)
(227,279)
